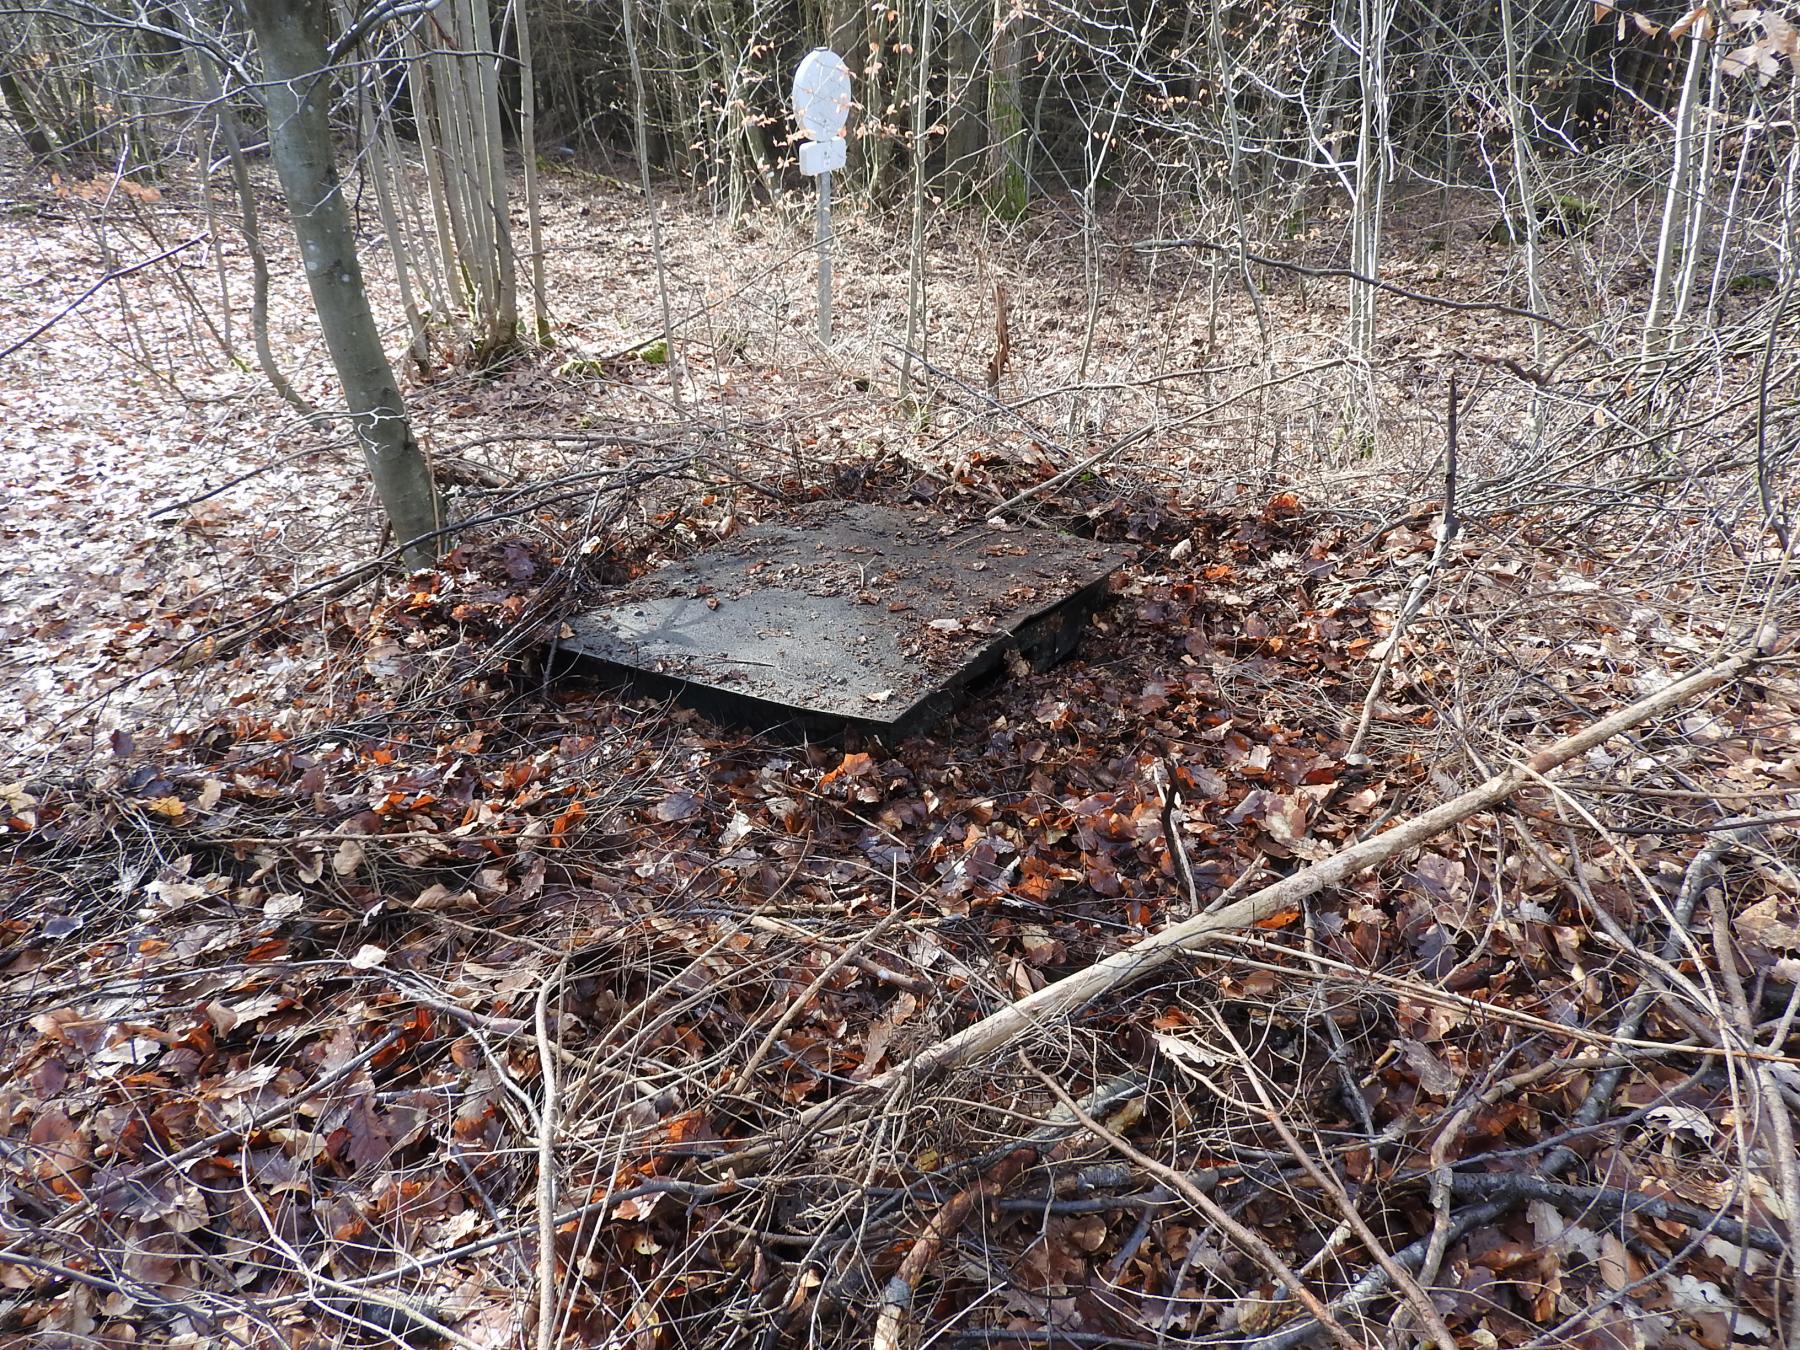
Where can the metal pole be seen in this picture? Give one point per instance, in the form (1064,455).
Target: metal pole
(824,237)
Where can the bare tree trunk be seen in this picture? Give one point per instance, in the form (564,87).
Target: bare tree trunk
(291,40)
(456,104)
(18,107)
(1007,192)
(1700,212)
(432,264)
(916,330)
(486,116)
(421,85)
(1369,204)
(742,143)
(965,101)
(534,224)
(671,353)
(1675,202)
(1525,183)
(259,260)
(459,85)
(884,91)
(1234,139)
(1095,146)
(382,175)
(1727,226)
(684,134)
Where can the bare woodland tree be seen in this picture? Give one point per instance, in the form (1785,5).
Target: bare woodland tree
(290,37)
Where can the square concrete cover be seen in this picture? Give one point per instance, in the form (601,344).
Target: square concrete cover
(847,615)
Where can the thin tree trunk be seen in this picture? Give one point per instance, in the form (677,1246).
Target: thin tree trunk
(965,102)
(685,132)
(422,86)
(1234,137)
(1447,198)
(297,94)
(1700,213)
(884,85)
(456,101)
(259,263)
(1675,202)
(1373,18)
(1727,227)
(379,174)
(534,224)
(225,122)
(1096,146)
(730,125)
(915,275)
(1525,183)
(486,114)
(382,175)
(671,353)
(203,163)
(431,264)
(462,118)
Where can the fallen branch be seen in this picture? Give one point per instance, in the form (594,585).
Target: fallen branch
(1606,1202)
(1063,997)
(897,1297)
(114,274)
(547,1329)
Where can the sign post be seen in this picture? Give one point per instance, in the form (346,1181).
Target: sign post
(821,108)
(822,235)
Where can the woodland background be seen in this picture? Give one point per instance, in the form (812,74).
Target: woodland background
(365,982)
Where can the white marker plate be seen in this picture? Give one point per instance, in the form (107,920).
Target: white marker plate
(822,94)
(817,157)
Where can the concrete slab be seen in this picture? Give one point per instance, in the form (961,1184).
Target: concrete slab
(846,616)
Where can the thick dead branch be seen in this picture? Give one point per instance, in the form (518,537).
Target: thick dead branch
(1064,997)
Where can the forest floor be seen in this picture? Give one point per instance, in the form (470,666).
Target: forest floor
(345,951)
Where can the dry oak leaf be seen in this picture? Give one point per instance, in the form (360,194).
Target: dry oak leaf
(1773,923)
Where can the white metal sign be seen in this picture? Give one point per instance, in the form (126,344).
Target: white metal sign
(821,109)
(822,94)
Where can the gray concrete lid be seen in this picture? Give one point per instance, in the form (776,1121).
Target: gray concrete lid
(848,613)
